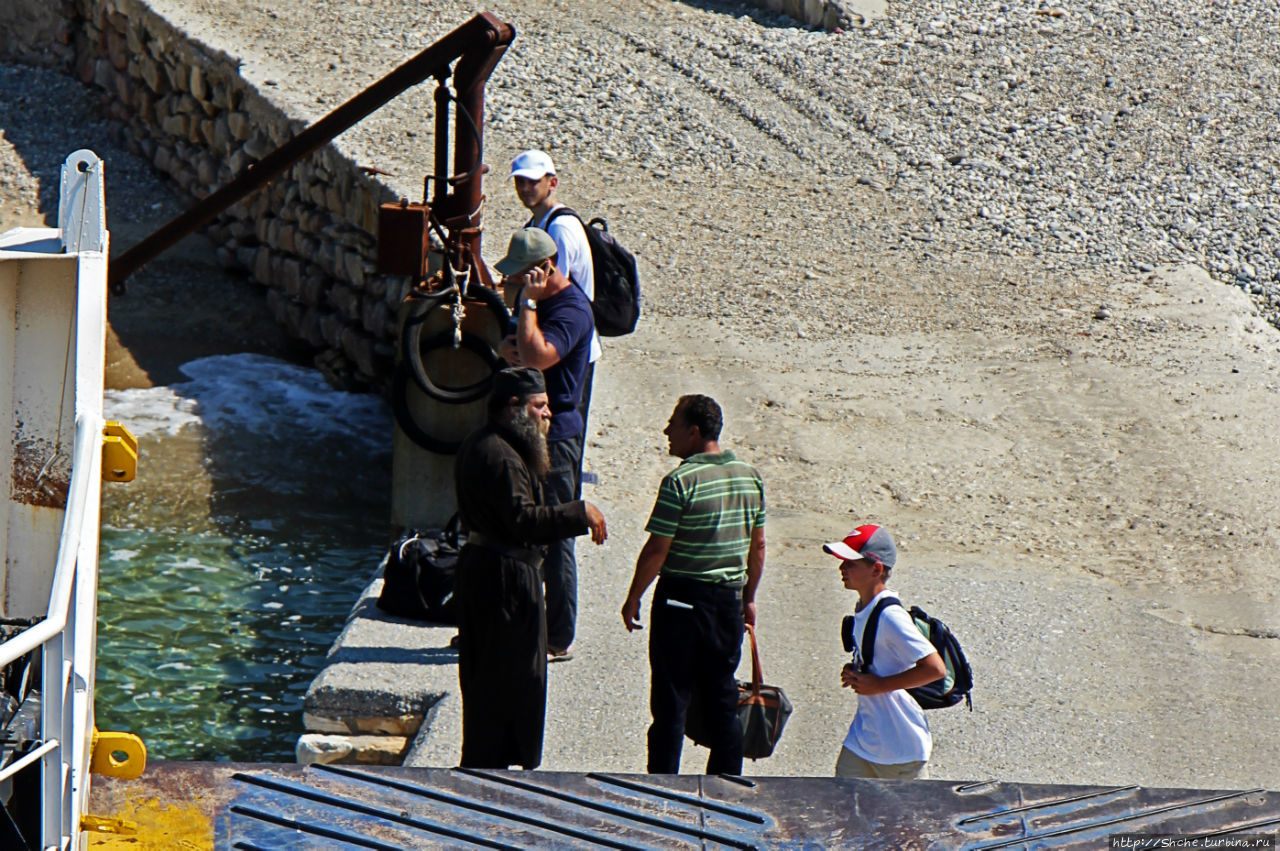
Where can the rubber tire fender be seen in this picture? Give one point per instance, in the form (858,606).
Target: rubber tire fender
(412,346)
(455,395)
(401,380)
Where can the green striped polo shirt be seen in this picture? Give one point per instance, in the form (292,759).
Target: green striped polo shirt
(708,507)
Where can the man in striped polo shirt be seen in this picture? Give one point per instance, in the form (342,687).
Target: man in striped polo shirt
(706,549)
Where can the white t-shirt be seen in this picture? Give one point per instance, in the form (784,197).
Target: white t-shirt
(890,728)
(573,259)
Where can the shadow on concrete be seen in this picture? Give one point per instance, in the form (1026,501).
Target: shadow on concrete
(394,655)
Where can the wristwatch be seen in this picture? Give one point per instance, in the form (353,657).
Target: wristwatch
(530,304)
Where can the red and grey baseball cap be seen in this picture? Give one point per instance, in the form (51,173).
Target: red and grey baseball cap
(871,542)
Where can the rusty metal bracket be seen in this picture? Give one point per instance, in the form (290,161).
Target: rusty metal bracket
(477,46)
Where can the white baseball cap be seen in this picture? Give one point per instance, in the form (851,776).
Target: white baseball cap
(532,164)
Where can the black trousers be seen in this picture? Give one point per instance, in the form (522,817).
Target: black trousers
(584,408)
(695,643)
(502,659)
(564,484)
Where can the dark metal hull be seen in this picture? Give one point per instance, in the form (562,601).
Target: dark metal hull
(291,806)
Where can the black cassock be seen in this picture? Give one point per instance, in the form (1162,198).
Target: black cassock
(502,621)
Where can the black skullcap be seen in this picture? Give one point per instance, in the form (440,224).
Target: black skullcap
(519,381)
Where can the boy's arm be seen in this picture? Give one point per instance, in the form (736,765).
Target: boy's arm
(927,670)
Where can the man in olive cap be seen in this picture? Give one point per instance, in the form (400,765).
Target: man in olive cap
(554,327)
(502,638)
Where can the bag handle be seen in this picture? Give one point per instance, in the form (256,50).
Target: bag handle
(757,674)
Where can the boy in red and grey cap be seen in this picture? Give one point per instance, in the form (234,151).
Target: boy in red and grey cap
(889,736)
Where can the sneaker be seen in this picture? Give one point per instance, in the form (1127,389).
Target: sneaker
(555,654)
(455,641)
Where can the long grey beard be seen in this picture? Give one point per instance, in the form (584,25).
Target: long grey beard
(529,437)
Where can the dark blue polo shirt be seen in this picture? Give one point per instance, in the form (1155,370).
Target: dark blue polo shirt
(566,322)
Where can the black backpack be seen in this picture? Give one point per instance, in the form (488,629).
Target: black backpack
(939,694)
(417,582)
(616,304)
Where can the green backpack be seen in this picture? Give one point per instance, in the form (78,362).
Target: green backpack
(939,694)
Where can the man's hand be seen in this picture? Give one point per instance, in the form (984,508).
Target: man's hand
(749,614)
(535,283)
(596,521)
(631,614)
(509,351)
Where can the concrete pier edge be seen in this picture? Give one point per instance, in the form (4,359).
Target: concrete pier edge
(377,695)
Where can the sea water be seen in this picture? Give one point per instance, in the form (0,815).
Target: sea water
(228,566)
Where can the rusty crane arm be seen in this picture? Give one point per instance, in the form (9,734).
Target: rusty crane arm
(477,45)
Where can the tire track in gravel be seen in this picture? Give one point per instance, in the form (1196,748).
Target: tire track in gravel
(822,129)
(796,89)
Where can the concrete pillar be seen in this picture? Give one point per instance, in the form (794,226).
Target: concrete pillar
(422,495)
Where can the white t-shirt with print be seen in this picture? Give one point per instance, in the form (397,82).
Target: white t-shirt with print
(890,728)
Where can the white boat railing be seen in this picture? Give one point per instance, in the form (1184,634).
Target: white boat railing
(86,452)
(66,718)
(65,637)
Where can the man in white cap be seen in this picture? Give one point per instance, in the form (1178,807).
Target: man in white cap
(534,175)
(889,737)
(536,183)
(535,180)
(554,326)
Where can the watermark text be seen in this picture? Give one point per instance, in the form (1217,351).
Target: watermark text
(1233,841)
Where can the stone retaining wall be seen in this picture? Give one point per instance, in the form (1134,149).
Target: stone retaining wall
(309,236)
(37,32)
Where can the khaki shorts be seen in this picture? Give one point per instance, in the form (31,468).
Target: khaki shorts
(849,764)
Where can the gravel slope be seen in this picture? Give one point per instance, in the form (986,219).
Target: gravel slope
(1115,135)
(935,271)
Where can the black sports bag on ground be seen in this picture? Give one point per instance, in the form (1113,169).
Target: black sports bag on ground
(417,582)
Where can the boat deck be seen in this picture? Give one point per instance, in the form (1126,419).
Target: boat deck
(274,806)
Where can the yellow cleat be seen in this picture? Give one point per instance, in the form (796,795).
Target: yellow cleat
(119,453)
(117,826)
(118,755)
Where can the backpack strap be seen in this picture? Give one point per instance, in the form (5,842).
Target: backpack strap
(557,213)
(867,648)
(568,211)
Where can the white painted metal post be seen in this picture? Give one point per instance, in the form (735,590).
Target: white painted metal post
(51,728)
